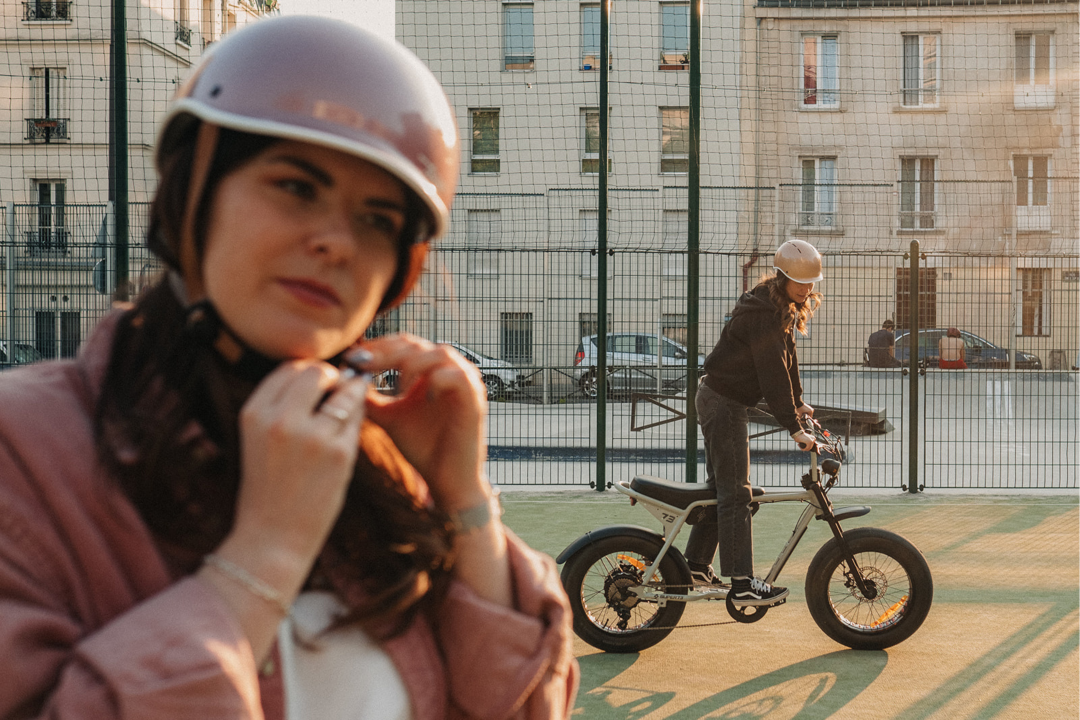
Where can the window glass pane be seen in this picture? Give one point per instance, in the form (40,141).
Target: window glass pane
(911,69)
(809,70)
(809,177)
(929,67)
(826,180)
(485,132)
(590,34)
(827,76)
(518,37)
(1039,182)
(1042,59)
(516,337)
(1023,59)
(675,32)
(1021,164)
(592,131)
(676,132)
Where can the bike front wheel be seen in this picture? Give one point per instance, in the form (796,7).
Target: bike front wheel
(899,593)
(607,615)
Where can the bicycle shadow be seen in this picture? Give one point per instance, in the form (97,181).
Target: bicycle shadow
(814,688)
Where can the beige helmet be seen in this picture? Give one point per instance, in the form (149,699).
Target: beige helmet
(328,83)
(798,260)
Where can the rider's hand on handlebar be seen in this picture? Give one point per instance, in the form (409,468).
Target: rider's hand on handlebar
(804,440)
(804,410)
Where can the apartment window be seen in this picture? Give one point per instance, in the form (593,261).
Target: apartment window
(675,230)
(673,327)
(1034,306)
(515,336)
(928,315)
(1034,83)
(485,141)
(674,140)
(49,238)
(674,35)
(1032,192)
(590,141)
(588,324)
(182,25)
(48,91)
(820,79)
(920,70)
(57,334)
(917,188)
(817,202)
(483,231)
(47,10)
(518,50)
(590,37)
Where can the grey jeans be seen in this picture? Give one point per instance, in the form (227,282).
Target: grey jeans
(727,463)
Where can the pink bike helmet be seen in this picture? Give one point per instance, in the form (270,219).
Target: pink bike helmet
(328,83)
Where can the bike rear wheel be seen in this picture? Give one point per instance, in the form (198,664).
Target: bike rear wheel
(902,590)
(606,614)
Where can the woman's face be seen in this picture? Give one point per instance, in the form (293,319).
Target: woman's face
(797,292)
(301,247)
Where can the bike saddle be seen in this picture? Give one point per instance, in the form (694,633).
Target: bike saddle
(680,495)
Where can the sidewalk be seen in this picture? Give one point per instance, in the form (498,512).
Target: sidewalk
(1001,640)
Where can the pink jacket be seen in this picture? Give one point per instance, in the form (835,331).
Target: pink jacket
(93,626)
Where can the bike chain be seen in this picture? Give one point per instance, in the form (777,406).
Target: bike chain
(685,627)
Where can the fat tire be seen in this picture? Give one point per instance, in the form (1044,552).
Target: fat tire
(890,561)
(584,576)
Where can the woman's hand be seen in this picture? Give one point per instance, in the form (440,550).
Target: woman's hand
(299,437)
(298,451)
(804,410)
(437,418)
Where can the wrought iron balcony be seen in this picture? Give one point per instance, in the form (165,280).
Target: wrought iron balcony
(183,34)
(46,129)
(47,10)
(47,242)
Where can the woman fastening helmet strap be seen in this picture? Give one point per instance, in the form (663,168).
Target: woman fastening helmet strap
(208,536)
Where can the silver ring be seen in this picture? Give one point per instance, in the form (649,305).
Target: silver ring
(335,412)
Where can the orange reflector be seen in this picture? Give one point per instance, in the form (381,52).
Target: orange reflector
(888,614)
(633,561)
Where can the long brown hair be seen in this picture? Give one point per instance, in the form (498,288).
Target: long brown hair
(167,428)
(792,315)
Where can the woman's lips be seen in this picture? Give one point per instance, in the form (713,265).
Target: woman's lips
(310,292)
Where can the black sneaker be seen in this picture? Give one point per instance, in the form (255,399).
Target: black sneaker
(755,592)
(706,578)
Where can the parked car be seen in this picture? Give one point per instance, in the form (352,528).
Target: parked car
(499,376)
(979,353)
(639,362)
(24,353)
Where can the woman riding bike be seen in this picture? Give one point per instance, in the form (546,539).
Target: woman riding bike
(755,358)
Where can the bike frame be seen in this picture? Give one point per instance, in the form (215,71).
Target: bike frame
(674,519)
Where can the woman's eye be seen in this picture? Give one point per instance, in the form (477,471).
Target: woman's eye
(380,223)
(299,188)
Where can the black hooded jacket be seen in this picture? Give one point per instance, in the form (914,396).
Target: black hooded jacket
(756,359)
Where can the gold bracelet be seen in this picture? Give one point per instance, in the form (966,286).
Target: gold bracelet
(477,516)
(252,584)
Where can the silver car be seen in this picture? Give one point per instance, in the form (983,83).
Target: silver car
(638,362)
(499,375)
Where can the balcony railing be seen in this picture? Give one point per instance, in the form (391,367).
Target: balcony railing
(47,242)
(47,10)
(822,220)
(183,34)
(918,220)
(46,129)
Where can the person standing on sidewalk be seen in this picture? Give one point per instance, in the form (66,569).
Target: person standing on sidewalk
(755,358)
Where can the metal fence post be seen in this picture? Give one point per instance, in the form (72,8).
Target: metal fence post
(601,260)
(119,138)
(693,211)
(913,372)
(9,278)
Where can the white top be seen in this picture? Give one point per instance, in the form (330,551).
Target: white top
(342,674)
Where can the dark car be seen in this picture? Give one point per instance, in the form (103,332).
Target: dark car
(979,353)
(24,353)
